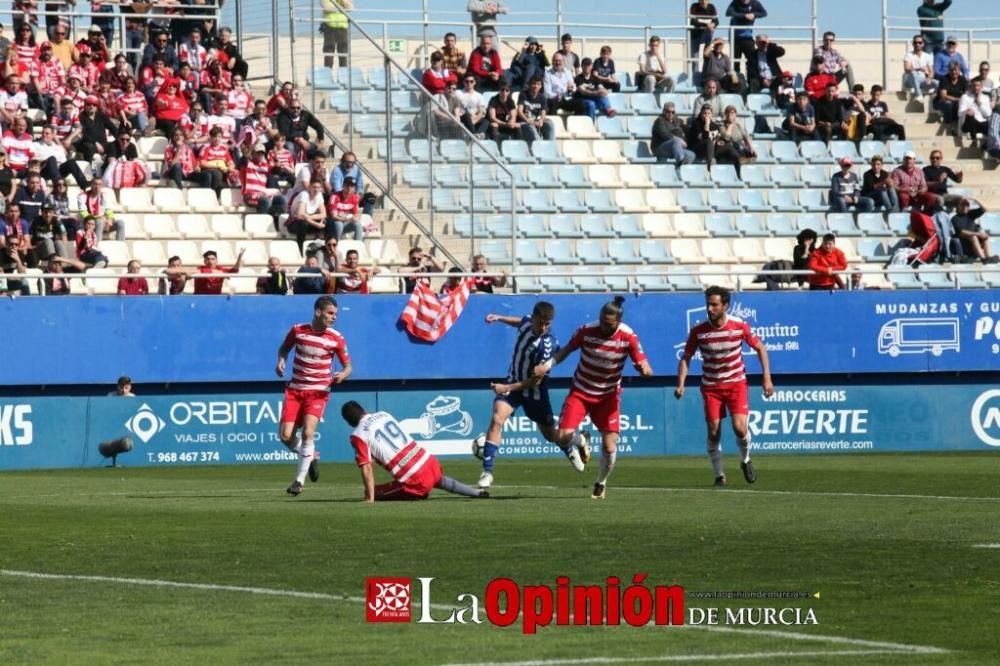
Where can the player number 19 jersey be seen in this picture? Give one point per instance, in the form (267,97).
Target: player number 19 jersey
(380,438)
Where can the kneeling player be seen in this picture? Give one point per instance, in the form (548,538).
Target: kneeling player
(596,388)
(316,344)
(535,345)
(416,472)
(723,379)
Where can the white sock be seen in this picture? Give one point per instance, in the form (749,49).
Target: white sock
(715,454)
(607,464)
(296,443)
(744,445)
(305,457)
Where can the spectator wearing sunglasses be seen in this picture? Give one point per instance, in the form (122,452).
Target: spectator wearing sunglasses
(348,167)
(160,45)
(295,122)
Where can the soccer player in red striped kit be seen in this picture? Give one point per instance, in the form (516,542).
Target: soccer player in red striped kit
(723,379)
(316,344)
(596,389)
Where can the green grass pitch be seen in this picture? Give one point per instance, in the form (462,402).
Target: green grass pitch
(896,545)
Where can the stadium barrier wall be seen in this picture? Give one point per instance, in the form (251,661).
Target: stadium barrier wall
(92,340)
(242,428)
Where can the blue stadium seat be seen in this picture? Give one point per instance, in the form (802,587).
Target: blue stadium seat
(373,101)
(503,203)
(537,201)
(842,224)
(612,128)
(764,154)
(476,201)
(496,251)
(730,99)
(681,103)
(341,101)
(368,125)
(762,105)
(683,82)
(616,282)
(665,175)
(752,201)
(935,277)
(574,175)
(417,175)
(904,278)
(500,226)
(637,152)
(785,152)
(623,252)
(813,201)
(565,226)
(486,150)
(970,280)
(424,150)
(596,226)
(683,279)
(355,76)
(599,201)
(592,252)
(640,127)
(529,284)
(530,253)
(872,249)
(899,223)
(784,201)
(628,226)
(399,151)
(815,152)
(444,201)
(620,103)
(816,175)
(785,175)
(546,152)
(560,251)
(756,176)
(842,149)
(899,148)
(645,104)
(532,226)
(569,201)
(587,280)
(517,151)
(781,224)
(872,224)
(470,225)
(814,221)
(991,274)
(722,201)
(695,175)
(376,78)
(556,283)
(542,176)
(651,278)
(655,252)
(870,149)
(401,124)
(990,222)
(404,101)
(720,224)
(693,201)
(322,79)
(751,225)
(450,175)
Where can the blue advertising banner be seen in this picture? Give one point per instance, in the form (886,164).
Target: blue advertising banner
(207,339)
(42,433)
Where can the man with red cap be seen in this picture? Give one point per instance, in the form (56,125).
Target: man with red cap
(86,69)
(47,76)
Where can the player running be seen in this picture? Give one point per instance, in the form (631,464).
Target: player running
(596,388)
(723,379)
(316,344)
(535,345)
(415,472)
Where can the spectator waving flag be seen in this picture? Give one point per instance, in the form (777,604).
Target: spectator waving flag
(428,316)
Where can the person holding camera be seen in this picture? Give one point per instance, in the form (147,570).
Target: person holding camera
(718,66)
(419,262)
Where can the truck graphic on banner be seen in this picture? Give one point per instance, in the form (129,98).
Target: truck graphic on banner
(918,336)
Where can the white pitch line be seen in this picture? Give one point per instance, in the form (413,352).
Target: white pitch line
(986,545)
(274,592)
(680,658)
(767,492)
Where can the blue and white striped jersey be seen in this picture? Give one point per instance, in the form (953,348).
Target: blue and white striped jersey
(529,351)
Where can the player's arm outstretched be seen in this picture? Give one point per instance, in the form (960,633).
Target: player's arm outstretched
(765,366)
(503,319)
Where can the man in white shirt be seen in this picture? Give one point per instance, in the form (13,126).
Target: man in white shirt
(918,70)
(55,164)
(472,106)
(652,74)
(559,87)
(974,110)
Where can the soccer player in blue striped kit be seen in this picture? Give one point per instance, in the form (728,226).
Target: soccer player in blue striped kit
(534,345)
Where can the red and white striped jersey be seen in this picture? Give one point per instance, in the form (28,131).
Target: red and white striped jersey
(27,53)
(602,359)
(312,369)
(239,103)
(19,149)
(65,124)
(184,156)
(381,439)
(282,159)
(254,181)
(721,350)
(196,56)
(355,282)
(133,103)
(218,153)
(48,76)
(88,75)
(226,123)
(14,102)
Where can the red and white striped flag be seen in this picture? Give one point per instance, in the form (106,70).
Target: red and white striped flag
(428,316)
